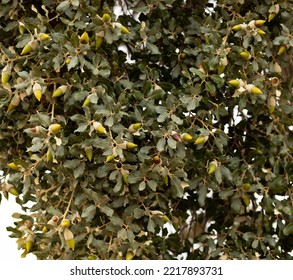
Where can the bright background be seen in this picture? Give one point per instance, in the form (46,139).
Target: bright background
(9,249)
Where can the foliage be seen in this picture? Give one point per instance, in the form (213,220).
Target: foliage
(160,130)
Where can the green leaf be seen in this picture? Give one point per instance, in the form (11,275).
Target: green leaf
(288,229)
(107,210)
(138,213)
(161,144)
(153,48)
(202,194)
(63,6)
(89,212)
(248,236)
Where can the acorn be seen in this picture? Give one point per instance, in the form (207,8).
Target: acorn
(21,28)
(245,55)
(246,187)
(165,179)
(271,104)
(99,39)
(84,38)
(124,30)
(65,223)
(186,137)
(12,165)
(86,102)
(129,255)
(37,90)
(282,49)
(69,238)
(271,16)
(99,128)
(11,189)
(32,45)
(259,22)
(134,127)
(44,37)
(212,167)
(29,241)
(157,160)
(200,139)
(130,145)
(49,155)
(125,174)
(106,18)
(60,91)
(6,74)
(253,89)
(109,158)
(234,83)
(277,68)
(260,31)
(89,152)
(245,200)
(175,136)
(54,128)
(239,27)
(15,101)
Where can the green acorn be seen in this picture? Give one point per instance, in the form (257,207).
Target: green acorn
(11,189)
(86,102)
(49,155)
(15,101)
(271,104)
(234,83)
(60,91)
(245,200)
(212,167)
(282,49)
(21,28)
(157,160)
(253,89)
(109,158)
(65,223)
(89,152)
(99,39)
(129,255)
(245,55)
(124,30)
(246,187)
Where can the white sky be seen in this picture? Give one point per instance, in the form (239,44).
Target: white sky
(9,249)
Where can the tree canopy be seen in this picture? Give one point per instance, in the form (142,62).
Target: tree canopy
(148,129)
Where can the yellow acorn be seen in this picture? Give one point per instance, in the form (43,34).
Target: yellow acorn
(86,102)
(259,22)
(253,89)
(6,73)
(37,90)
(89,152)
(21,28)
(157,160)
(29,47)
(271,104)
(165,179)
(166,219)
(200,139)
(125,174)
(260,31)
(65,223)
(69,238)
(109,158)
(129,255)
(245,55)
(12,165)
(84,38)
(246,200)
(49,155)
(29,241)
(271,16)
(134,127)
(44,37)
(187,137)
(106,18)
(234,83)
(282,49)
(246,187)
(124,30)
(54,128)
(238,27)
(59,91)
(130,145)
(67,60)
(212,167)
(99,128)
(15,101)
